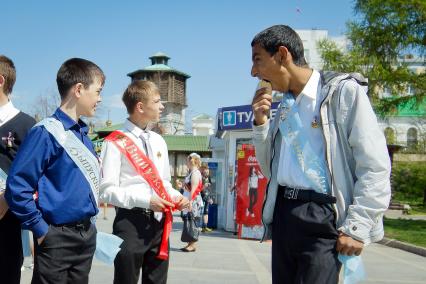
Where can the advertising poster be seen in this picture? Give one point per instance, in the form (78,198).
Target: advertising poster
(251,185)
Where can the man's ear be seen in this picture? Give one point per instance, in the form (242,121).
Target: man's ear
(283,55)
(1,81)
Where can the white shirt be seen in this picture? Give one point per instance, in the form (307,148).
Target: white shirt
(121,185)
(308,103)
(7,112)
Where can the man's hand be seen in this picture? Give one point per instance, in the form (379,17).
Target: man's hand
(261,105)
(182,203)
(3,205)
(157,204)
(346,245)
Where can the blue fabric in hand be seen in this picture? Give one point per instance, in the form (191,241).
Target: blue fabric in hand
(107,247)
(353,269)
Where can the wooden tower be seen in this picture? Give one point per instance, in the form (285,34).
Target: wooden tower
(172,85)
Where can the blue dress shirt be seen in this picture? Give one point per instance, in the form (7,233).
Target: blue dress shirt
(42,165)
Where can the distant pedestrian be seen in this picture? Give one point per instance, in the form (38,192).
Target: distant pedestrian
(206,197)
(193,186)
(179,186)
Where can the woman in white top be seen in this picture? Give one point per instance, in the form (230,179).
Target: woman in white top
(193,185)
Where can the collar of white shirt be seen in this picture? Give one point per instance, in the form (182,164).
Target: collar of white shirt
(135,130)
(7,111)
(311,87)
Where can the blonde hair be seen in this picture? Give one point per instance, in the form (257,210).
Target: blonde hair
(195,159)
(138,91)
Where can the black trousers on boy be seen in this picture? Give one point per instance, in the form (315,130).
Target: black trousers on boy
(11,257)
(65,255)
(142,235)
(304,242)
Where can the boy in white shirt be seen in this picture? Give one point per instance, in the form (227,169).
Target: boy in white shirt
(136,179)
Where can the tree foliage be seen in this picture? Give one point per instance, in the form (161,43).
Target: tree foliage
(409,181)
(384,36)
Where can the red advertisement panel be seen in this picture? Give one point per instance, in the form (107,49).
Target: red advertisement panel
(251,185)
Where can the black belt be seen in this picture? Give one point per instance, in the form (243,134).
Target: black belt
(142,210)
(82,224)
(305,195)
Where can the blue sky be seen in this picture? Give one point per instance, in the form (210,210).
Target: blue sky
(209,40)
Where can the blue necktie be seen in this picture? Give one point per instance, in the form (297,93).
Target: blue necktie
(296,137)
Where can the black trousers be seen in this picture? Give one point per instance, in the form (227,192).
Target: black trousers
(304,243)
(65,255)
(252,198)
(142,234)
(11,257)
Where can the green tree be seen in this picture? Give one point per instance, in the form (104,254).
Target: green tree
(383,34)
(409,182)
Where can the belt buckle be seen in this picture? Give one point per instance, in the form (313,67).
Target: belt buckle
(291,193)
(80,226)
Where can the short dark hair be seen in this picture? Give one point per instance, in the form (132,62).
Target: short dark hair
(8,71)
(77,70)
(281,35)
(138,91)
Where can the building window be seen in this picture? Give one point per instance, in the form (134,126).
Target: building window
(412,139)
(390,136)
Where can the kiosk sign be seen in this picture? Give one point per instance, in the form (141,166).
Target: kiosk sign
(239,117)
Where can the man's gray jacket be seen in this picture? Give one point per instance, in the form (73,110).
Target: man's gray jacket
(356,154)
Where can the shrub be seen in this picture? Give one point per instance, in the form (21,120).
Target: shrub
(409,180)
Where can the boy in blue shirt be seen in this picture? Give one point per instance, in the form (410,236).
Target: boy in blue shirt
(53,183)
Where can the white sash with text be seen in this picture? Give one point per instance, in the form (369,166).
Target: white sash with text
(77,151)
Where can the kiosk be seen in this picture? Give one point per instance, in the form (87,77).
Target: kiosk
(232,140)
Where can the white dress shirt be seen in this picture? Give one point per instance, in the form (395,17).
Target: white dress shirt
(121,185)
(308,102)
(7,112)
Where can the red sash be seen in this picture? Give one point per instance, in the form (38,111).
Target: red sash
(145,167)
(197,190)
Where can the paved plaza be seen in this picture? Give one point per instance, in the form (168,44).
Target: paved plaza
(222,258)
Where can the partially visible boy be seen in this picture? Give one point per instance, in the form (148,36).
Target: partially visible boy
(58,165)
(14,126)
(136,179)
